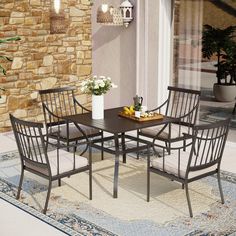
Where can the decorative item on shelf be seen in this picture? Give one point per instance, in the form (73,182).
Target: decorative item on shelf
(97,87)
(108,15)
(117,17)
(57,19)
(104,14)
(127,12)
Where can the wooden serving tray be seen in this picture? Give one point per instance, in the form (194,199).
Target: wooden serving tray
(156,116)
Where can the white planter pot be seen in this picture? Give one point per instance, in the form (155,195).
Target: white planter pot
(97,107)
(224,93)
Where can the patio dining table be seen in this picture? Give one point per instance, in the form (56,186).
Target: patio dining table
(118,127)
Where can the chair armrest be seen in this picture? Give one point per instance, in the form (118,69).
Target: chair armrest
(81,106)
(51,113)
(188,136)
(159,107)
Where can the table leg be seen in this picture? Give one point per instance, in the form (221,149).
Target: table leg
(123,146)
(116,172)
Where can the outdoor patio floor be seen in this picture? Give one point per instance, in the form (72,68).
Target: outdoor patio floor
(7,144)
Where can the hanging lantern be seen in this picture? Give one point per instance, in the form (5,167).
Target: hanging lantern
(127,12)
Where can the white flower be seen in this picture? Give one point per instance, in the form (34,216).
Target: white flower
(109,78)
(84,83)
(102,84)
(113,85)
(95,77)
(99,81)
(102,77)
(82,89)
(96,86)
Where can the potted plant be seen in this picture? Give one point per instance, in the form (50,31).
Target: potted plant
(2,69)
(220,43)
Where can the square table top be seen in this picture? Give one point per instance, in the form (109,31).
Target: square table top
(113,123)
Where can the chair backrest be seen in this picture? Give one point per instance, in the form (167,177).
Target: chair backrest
(59,101)
(30,143)
(208,145)
(183,103)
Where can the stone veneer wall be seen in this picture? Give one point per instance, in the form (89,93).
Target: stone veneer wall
(42,60)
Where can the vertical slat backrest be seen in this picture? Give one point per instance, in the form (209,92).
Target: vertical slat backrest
(208,145)
(59,101)
(30,141)
(182,102)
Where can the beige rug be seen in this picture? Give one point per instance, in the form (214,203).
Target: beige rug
(168,200)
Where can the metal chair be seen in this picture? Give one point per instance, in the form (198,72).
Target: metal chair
(204,159)
(182,104)
(60,102)
(52,165)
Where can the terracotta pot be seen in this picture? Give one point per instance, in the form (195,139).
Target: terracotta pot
(224,93)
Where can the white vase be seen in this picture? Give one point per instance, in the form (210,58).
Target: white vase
(97,107)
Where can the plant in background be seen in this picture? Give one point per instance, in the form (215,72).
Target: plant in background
(221,43)
(2,69)
(97,85)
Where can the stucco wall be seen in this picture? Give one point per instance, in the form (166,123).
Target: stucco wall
(114,55)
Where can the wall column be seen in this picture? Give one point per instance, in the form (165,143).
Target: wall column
(154,50)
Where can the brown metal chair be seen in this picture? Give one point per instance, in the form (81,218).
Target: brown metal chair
(60,102)
(52,165)
(204,158)
(182,104)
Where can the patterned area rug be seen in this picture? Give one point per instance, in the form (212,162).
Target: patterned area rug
(166,213)
(213,111)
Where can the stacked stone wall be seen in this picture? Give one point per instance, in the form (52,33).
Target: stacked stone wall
(42,60)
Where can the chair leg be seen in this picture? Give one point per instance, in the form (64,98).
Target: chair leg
(102,151)
(234,110)
(182,186)
(48,196)
(76,144)
(20,184)
(184,147)
(188,200)
(220,188)
(168,147)
(90,174)
(59,182)
(138,144)
(47,138)
(148,176)
(123,146)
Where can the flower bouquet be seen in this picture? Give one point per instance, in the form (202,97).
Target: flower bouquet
(97,86)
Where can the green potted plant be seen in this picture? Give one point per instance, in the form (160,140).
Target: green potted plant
(2,69)
(220,43)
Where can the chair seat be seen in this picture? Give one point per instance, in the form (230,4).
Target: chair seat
(176,131)
(66,163)
(74,133)
(171,165)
